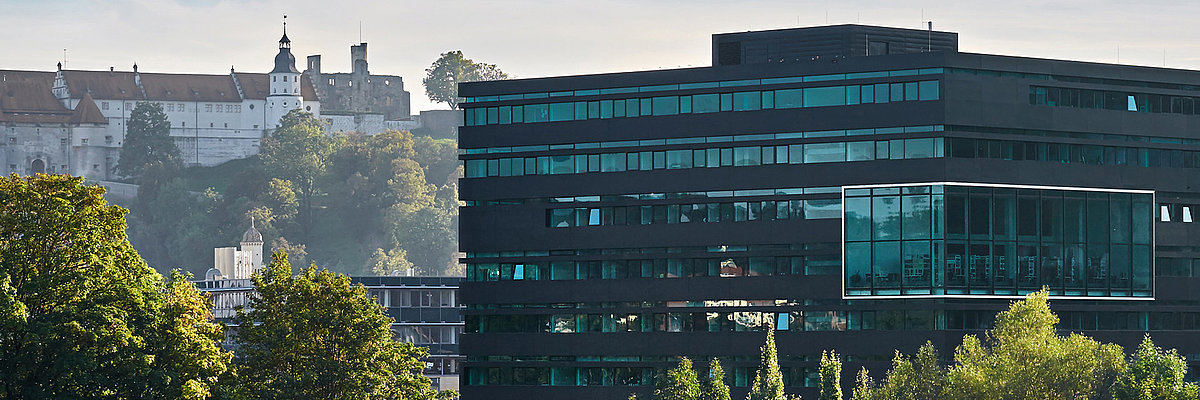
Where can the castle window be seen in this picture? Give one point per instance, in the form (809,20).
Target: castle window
(182,123)
(331,82)
(387,82)
(218,108)
(251,106)
(274,79)
(104,105)
(308,108)
(62,141)
(349,83)
(226,124)
(83,141)
(171,107)
(285,78)
(208,108)
(180,107)
(210,124)
(229,108)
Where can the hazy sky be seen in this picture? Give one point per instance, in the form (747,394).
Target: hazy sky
(552,37)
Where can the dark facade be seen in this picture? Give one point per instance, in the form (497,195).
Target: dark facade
(615,222)
(426,312)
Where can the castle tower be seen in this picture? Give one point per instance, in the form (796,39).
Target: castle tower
(285,82)
(252,243)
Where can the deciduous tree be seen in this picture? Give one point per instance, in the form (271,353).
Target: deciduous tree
(298,151)
(1023,357)
(314,335)
(443,76)
(81,315)
(1154,374)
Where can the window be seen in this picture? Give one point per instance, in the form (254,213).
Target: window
(991,241)
(104,105)
(208,107)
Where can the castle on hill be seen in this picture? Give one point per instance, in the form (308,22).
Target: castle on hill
(74,121)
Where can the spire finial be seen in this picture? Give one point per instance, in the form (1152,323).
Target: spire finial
(251,222)
(285,24)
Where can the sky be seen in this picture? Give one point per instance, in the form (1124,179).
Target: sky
(536,38)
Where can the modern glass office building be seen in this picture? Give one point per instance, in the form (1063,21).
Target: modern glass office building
(856,188)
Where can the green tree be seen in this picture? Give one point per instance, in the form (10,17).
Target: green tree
(314,335)
(429,236)
(864,386)
(438,157)
(768,381)
(299,151)
(831,376)
(385,262)
(1154,374)
(1024,358)
(714,387)
(921,377)
(82,315)
(443,76)
(680,383)
(147,141)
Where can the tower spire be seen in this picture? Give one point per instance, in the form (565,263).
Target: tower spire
(284,42)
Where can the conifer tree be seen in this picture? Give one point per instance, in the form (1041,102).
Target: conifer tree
(768,381)
(714,387)
(680,383)
(831,376)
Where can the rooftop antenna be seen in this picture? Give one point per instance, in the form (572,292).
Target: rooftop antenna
(929,39)
(360,31)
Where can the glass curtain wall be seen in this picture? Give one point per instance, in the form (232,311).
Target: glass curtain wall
(997,240)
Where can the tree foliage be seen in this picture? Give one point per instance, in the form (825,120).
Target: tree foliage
(369,192)
(81,315)
(1022,357)
(768,380)
(1154,374)
(147,142)
(714,388)
(443,76)
(680,383)
(298,151)
(314,335)
(831,376)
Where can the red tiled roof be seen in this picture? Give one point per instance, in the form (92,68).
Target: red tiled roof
(26,96)
(86,112)
(189,87)
(32,90)
(118,85)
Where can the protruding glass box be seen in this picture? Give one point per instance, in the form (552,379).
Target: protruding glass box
(969,240)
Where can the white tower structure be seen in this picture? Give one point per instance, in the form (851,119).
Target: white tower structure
(285,83)
(252,243)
